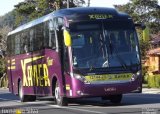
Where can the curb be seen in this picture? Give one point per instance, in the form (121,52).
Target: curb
(151,90)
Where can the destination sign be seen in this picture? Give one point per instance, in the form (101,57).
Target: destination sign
(109,77)
(100,16)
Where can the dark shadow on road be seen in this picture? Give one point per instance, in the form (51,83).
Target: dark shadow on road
(8,97)
(130,99)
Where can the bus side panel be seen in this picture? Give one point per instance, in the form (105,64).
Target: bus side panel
(54,68)
(47,67)
(9,74)
(13,72)
(36,71)
(69,85)
(35,74)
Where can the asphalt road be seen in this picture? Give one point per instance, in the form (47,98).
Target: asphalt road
(131,104)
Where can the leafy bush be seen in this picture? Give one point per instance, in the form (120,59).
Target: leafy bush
(153,81)
(3,77)
(4,81)
(157,81)
(145,79)
(2,67)
(144,74)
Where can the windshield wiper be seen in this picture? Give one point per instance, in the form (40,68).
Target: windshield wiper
(121,61)
(124,65)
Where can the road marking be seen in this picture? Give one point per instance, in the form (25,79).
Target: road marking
(83,110)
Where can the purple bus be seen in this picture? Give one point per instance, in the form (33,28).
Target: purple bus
(75,53)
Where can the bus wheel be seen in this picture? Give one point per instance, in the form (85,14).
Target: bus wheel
(61,101)
(116,99)
(31,97)
(105,98)
(22,97)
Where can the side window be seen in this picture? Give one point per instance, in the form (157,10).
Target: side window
(31,34)
(17,44)
(46,34)
(60,21)
(52,36)
(39,36)
(24,42)
(9,45)
(13,45)
(132,36)
(59,31)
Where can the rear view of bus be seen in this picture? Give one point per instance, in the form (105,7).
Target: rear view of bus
(104,54)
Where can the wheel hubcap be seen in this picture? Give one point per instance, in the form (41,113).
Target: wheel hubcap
(21,92)
(57,93)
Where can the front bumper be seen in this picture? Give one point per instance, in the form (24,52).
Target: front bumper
(79,89)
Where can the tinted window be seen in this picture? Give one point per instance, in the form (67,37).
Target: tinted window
(13,45)
(31,36)
(9,45)
(17,44)
(52,38)
(38,38)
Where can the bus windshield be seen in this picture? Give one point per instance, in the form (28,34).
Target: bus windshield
(104,44)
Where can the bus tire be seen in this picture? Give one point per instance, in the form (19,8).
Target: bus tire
(116,99)
(31,97)
(60,100)
(105,98)
(23,98)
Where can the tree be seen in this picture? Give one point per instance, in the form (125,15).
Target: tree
(23,11)
(89,1)
(7,20)
(147,11)
(31,9)
(3,37)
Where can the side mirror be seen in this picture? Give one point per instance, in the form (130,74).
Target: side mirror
(140,25)
(67,38)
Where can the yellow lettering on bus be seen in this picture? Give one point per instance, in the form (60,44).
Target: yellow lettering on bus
(45,70)
(36,75)
(30,81)
(25,82)
(39,72)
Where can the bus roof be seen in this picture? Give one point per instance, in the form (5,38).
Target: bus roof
(32,23)
(87,10)
(70,12)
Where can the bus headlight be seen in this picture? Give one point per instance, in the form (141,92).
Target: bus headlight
(138,73)
(135,75)
(79,77)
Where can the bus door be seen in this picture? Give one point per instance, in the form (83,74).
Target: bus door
(62,50)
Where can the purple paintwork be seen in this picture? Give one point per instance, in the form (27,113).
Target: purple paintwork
(54,70)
